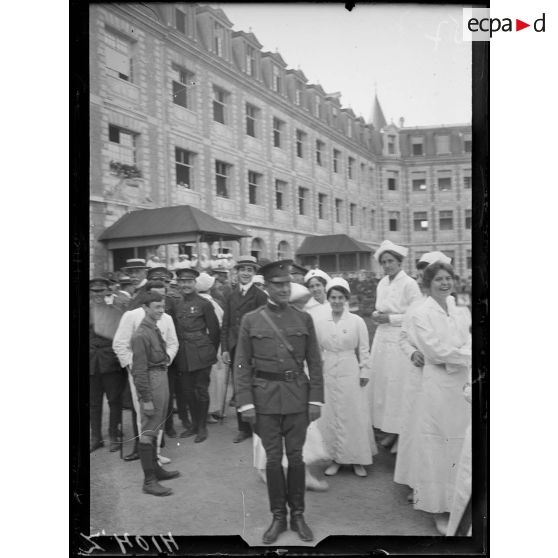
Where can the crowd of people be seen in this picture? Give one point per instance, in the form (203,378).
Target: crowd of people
(308,385)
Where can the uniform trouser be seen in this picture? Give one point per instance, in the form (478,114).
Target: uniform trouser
(273,429)
(242,425)
(152,423)
(194,385)
(111,383)
(174,390)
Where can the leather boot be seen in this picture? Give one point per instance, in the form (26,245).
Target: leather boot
(295,495)
(203,408)
(276,491)
(193,430)
(160,473)
(148,463)
(134,454)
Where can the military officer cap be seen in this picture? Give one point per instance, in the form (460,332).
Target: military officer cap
(247,260)
(98,284)
(187,273)
(295,268)
(159,272)
(134,263)
(277,272)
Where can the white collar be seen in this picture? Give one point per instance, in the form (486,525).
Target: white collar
(244,288)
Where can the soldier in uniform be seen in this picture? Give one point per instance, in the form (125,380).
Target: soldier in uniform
(244,298)
(197,328)
(298,273)
(275,395)
(105,374)
(136,270)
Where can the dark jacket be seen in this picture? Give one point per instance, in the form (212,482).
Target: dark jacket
(103,322)
(236,306)
(150,353)
(259,348)
(197,329)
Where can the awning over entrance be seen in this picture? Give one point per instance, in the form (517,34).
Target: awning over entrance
(334,253)
(167,225)
(331,244)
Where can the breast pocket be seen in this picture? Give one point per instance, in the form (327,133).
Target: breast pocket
(263,343)
(298,338)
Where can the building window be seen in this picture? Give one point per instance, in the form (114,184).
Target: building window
(351,168)
(298,94)
(338,208)
(278,127)
(182,79)
(300,137)
(391,145)
(283,250)
(352,214)
(302,201)
(276,79)
(184,167)
(218,38)
(320,152)
(250,60)
(418,183)
(372,219)
(469,259)
(222,178)
(417,146)
(364,214)
(467,182)
(362,172)
(280,194)
(467,143)
(322,206)
(446,220)
(334,115)
(252,114)
(444,183)
(420,221)
(254,181)
(392,177)
(468,219)
(393,220)
(442,145)
(220,100)
(118,56)
(180,18)
(318,108)
(350,129)
(122,145)
(336,155)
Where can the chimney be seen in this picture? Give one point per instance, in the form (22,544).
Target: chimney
(401,122)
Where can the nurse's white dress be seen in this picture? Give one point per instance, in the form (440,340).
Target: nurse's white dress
(345,418)
(445,341)
(388,362)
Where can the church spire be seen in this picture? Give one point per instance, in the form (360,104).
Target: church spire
(377,117)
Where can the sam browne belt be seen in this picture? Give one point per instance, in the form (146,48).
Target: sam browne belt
(285,376)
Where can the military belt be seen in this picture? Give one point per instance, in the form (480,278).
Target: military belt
(285,376)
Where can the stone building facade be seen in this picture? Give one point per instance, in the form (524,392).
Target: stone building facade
(184,110)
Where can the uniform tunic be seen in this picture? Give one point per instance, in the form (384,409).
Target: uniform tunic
(388,362)
(445,341)
(345,420)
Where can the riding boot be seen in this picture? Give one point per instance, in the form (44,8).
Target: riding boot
(277,493)
(148,464)
(295,495)
(193,407)
(203,408)
(160,473)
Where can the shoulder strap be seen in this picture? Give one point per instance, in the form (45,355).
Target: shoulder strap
(275,329)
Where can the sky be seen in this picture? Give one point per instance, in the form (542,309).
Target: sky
(412,56)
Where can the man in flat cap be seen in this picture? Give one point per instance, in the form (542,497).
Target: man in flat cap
(244,298)
(276,396)
(197,328)
(105,374)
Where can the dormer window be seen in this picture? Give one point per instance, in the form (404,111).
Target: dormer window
(276,79)
(180,19)
(318,108)
(250,60)
(391,145)
(334,115)
(417,146)
(218,39)
(350,129)
(298,94)
(442,144)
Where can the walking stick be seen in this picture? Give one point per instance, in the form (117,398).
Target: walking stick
(224,404)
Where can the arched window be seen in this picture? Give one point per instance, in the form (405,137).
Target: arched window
(258,248)
(283,250)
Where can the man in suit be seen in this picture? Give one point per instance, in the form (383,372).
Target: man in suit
(197,328)
(243,299)
(274,394)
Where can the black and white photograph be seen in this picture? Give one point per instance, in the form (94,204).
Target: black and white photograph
(283,267)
